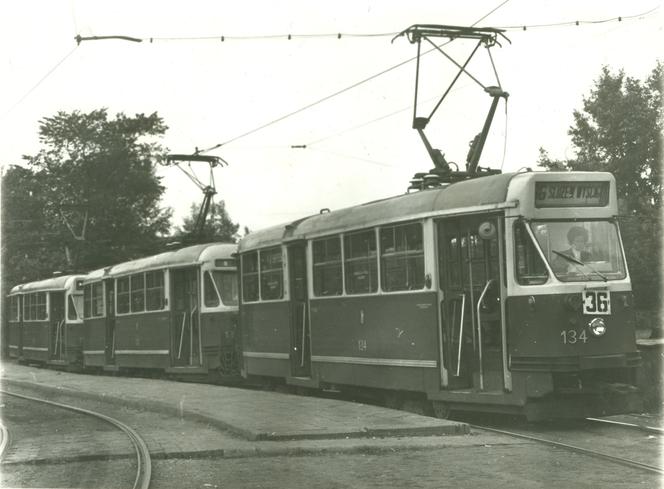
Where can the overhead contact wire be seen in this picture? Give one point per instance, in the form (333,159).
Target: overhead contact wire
(339,92)
(41,80)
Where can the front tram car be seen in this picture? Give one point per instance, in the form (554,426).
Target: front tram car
(46,321)
(506,293)
(175,312)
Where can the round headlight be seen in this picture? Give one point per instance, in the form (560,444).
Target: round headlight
(597,326)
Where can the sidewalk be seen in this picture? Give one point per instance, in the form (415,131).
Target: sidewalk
(253,415)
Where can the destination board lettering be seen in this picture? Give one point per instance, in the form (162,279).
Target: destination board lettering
(571,194)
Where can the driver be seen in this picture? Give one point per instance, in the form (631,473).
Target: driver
(577,237)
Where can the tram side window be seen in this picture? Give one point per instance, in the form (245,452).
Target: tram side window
(250,277)
(360,262)
(87,292)
(530,270)
(123,295)
(137,283)
(93,301)
(402,257)
(13,308)
(154,290)
(26,307)
(272,274)
(34,306)
(98,299)
(327,266)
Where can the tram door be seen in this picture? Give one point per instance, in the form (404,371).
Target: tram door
(300,353)
(109,301)
(469,263)
(185,331)
(56,325)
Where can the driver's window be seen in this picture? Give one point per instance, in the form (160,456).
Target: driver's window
(530,269)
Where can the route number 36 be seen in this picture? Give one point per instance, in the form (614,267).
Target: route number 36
(596,302)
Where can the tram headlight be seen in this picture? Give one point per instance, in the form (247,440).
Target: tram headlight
(597,327)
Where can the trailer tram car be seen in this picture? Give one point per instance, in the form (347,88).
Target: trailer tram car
(175,312)
(467,296)
(46,321)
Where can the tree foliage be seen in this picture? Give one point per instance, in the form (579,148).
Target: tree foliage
(89,198)
(619,130)
(218,225)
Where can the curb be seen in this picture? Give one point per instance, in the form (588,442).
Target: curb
(247,434)
(140,404)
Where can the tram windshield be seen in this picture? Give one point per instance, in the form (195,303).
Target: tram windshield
(581,250)
(224,283)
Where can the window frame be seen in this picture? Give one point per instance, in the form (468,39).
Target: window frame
(122,297)
(32,307)
(276,250)
(324,265)
(362,259)
(209,277)
(14,308)
(535,247)
(158,290)
(403,255)
(93,295)
(254,274)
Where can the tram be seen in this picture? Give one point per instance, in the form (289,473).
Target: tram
(470,295)
(175,312)
(46,321)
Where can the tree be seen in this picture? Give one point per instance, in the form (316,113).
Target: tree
(619,130)
(89,198)
(218,225)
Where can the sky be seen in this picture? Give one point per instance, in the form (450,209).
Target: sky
(360,145)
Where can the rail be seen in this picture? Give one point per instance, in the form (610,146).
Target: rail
(4,440)
(144,463)
(624,424)
(576,449)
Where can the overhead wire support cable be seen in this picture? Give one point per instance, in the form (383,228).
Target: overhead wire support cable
(343,90)
(620,18)
(41,80)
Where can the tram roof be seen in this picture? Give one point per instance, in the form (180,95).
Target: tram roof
(468,193)
(169,259)
(62,282)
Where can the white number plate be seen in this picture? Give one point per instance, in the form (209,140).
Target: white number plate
(596,302)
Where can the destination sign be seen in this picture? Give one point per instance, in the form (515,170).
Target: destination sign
(571,194)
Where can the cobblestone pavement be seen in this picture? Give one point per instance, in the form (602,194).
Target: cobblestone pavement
(196,453)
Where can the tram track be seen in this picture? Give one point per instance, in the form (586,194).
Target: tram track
(4,440)
(144,462)
(575,448)
(624,424)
